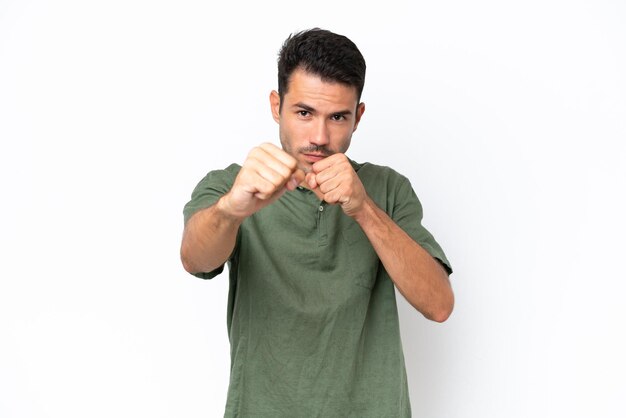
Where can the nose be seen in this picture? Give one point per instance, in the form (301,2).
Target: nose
(320,135)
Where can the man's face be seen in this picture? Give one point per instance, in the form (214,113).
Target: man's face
(317,118)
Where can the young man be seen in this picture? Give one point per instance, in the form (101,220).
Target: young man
(315,244)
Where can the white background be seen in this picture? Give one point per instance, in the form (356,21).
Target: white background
(508,117)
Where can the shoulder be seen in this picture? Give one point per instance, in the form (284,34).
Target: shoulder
(225,177)
(215,184)
(378,175)
(230,171)
(384,185)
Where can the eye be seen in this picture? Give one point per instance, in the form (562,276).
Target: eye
(304,113)
(338,117)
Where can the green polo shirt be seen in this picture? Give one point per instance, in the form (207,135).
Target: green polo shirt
(312,316)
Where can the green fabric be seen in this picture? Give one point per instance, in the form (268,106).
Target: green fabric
(312,315)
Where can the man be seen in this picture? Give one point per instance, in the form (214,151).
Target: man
(315,244)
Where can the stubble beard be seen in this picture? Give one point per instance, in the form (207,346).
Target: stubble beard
(325,151)
(306,167)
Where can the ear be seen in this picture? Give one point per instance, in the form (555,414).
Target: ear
(275,105)
(360,109)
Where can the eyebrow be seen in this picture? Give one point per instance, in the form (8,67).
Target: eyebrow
(308,108)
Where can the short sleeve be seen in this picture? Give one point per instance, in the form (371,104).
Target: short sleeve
(407,213)
(208,191)
(213,186)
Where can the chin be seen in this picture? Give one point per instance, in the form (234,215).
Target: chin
(305,166)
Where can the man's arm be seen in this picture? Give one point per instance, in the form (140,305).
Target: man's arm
(210,234)
(208,239)
(416,274)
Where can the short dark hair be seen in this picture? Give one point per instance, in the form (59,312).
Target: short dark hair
(331,56)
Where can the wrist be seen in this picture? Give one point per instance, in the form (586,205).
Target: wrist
(224,209)
(365,211)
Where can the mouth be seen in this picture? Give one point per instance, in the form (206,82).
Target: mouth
(314,157)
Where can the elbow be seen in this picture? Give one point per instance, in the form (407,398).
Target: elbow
(443,312)
(187,266)
(185,259)
(441,316)
(192,263)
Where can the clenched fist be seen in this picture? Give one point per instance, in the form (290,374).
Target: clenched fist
(335,181)
(265,175)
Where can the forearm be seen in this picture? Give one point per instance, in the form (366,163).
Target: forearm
(208,239)
(416,274)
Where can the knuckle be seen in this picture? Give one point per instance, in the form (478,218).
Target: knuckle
(254,152)
(262,196)
(268,146)
(283,171)
(277,181)
(269,186)
(291,162)
(276,175)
